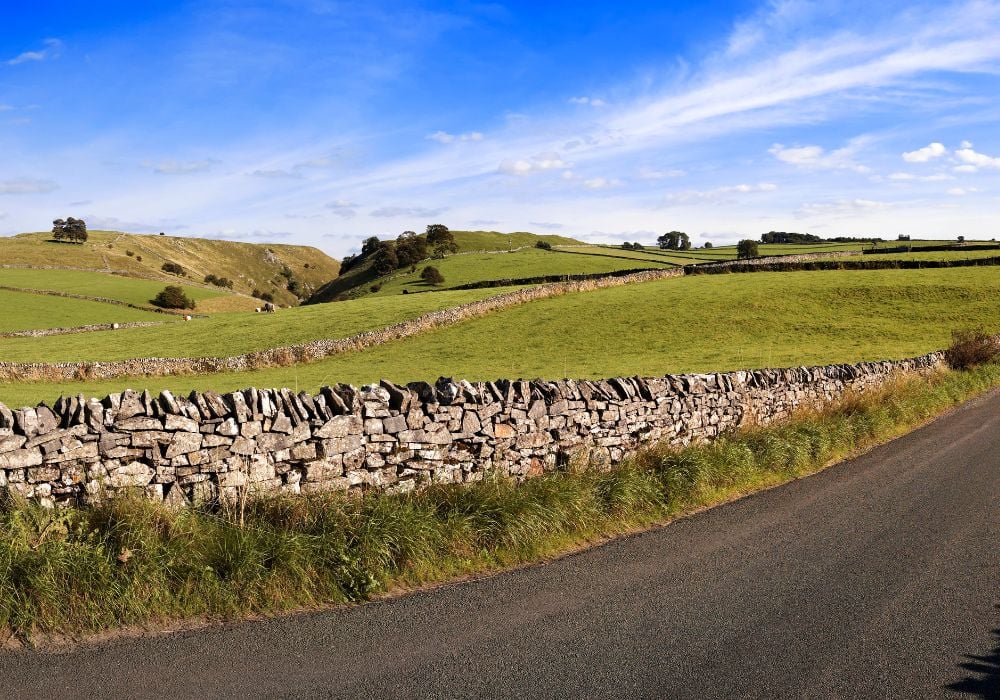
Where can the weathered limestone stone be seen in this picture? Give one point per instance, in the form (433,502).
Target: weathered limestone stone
(183,443)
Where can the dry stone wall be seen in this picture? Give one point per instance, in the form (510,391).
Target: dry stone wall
(387,437)
(772,259)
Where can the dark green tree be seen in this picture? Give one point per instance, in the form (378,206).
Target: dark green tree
(441,240)
(747,248)
(173,297)
(431,275)
(674,240)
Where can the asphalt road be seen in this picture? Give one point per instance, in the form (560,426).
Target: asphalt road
(879,577)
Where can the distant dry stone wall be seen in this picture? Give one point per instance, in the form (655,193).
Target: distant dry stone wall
(771,259)
(42,332)
(386,437)
(306,352)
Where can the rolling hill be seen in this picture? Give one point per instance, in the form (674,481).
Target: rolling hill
(249,265)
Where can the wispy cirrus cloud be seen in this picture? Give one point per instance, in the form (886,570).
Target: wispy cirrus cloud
(52,49)
(445,137)
(176,167)
(393,212)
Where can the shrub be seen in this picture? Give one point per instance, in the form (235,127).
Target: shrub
(544,245)
(970,348)
(173,297)
(138,258)
(173,268)
(130,253)
(263,296)
(626,246)
(431,275)
(219,281)
(708,244)
(747,249)
(374,288)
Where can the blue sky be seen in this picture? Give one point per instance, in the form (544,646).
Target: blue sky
(322,122)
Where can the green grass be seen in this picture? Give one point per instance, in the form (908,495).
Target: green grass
(958,254)
(23,311)
(73,571)
(98,284)
(689,324)
(465,269)
(231,334)
(471,241)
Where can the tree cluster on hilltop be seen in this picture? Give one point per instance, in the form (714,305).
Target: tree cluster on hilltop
(70,229)
(407,250)
(789,237)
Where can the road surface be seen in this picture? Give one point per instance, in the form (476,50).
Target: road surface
(879,577)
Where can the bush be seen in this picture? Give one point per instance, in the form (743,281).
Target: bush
(708,244)
(544,245)
(130,253)
(747,249)
(263,296)
(374,288)
(431,275)
(219,281)
(970,348)
(173,297)
(173,268)
(626,246)
(138,258)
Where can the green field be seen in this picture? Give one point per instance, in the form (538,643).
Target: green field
(22,311)
(530,262)
(689,324)
(228,334)
(99,284)
(475,241)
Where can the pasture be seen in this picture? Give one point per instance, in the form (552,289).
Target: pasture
(232,334)
(688,324)
(23,311)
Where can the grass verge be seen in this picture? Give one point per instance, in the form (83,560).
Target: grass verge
(78,571)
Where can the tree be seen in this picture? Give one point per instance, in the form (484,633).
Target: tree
(626,246)
(674,240)
(77,229)
(410,249)
(70,230)
(370,245)
(173,297)
(637,246)
(708,244)
(441,240)
(385,259)
(431,275)
(961,239)
(543,245)
(747,249)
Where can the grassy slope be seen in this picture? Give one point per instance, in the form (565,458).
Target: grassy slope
(698,323)
(231,334)
(23,311)
(357,280)
(249,265)
(127,289)
(529,262)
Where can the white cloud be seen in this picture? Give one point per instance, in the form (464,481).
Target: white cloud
(445,137)
(842,207)
(600,183)
(6,108)
(551,226)
(977,160)
(939,177)
(344,208)
(818,158)
(591,101)
(718,194)
(537,163)
(174,167)
(922,155)
(52,49)
(276,173)
(26,185)
(389,212)
(655,174)
(961,191)
(966,169)
(966,144)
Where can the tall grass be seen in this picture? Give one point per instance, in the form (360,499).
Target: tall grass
(132,562)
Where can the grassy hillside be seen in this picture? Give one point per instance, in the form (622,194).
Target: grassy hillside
(249,265)
(128,289)
(231,334)
(359,278)
(696,323)
(23,312)
(469,268)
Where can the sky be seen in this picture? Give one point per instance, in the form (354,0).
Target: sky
(320,122)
